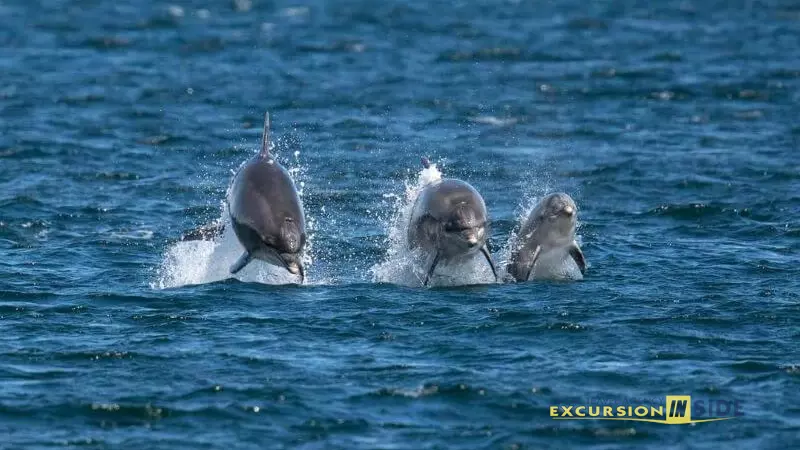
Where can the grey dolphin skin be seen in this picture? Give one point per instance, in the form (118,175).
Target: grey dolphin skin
(448,220)
(266,213)
(546,239)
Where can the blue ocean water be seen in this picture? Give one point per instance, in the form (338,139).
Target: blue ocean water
(673,124)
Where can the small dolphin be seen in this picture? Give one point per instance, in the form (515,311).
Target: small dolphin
(448,220)
(266,212)
(546,240)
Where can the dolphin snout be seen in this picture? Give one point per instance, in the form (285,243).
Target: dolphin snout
(293,267)
(569,210)
(293,264)
(473,236)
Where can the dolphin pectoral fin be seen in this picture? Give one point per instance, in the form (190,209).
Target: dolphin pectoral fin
(577,255)
(511,266)
(302,273)
(430,271)
(533,262)
(488,256)
(241,262)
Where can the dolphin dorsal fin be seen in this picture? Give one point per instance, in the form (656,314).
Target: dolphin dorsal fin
(265,138)
(426,163)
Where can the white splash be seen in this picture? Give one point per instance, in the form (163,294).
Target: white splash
(131,235)
(297,11)
(175,11)
(495,121)
(200,262)
(406,267)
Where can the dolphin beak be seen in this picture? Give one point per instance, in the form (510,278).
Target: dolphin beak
(569,210)
(292,263)
(294,267)
(472,240)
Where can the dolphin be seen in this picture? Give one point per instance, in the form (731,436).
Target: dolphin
(266,212)
(448,220)
(546,240)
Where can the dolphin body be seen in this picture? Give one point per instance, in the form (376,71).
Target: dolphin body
(546,240)
(266,212)
(448,220)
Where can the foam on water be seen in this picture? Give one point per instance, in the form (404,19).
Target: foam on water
(406,267)
(201,261)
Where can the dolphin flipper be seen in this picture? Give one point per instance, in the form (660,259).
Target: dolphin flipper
(241,262)
(430,271)
(577,255)
(488,256)
(533,262)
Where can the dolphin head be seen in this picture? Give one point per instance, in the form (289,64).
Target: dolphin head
(293,263)
(284,248)
(281,246)
(558,214)
(449,218)
(289,243)
(465,228)
(291,238)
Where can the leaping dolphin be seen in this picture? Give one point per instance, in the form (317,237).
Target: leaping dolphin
(266,212)
(448,220)
(546,240)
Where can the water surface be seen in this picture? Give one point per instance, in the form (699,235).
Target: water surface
(673,125)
